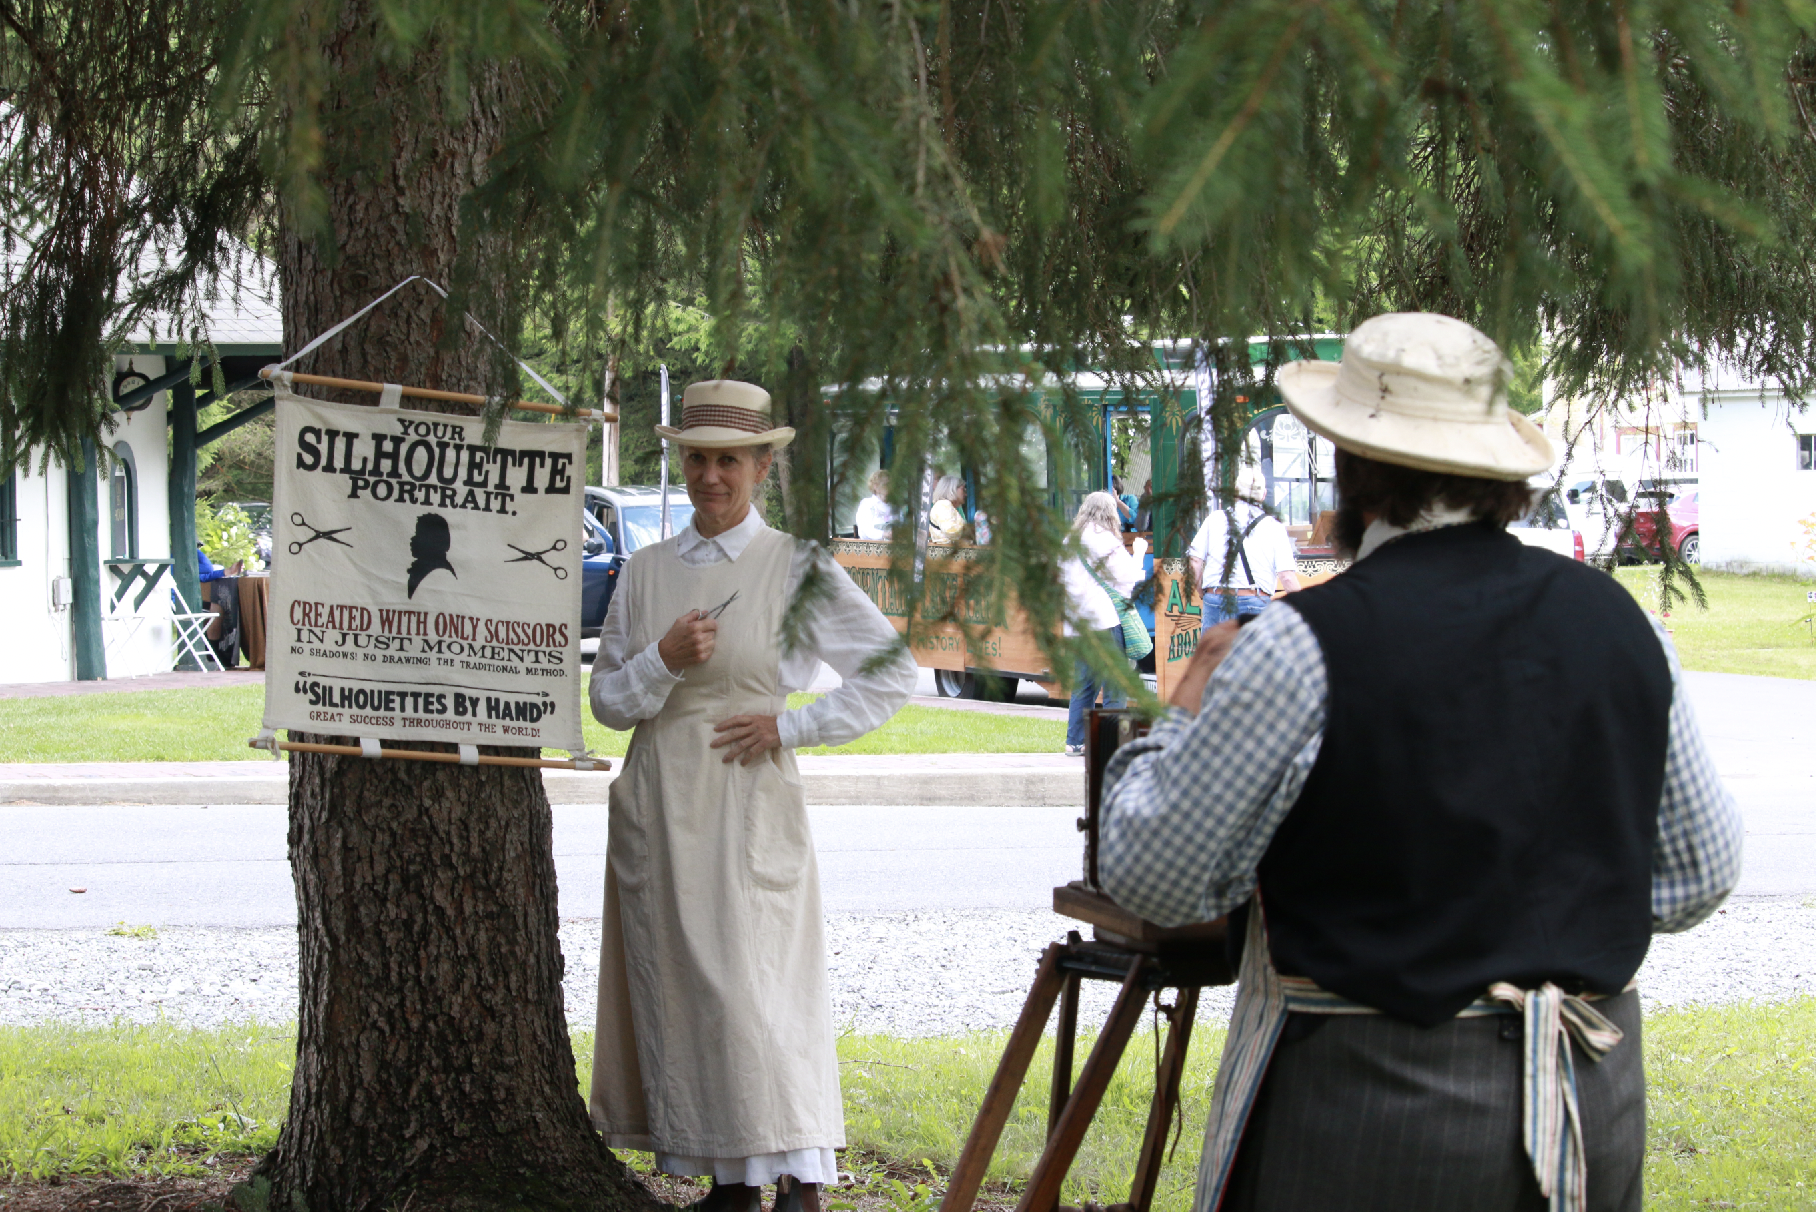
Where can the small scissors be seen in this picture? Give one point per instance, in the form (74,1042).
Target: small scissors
(524,557)
(718,610)
(296,519)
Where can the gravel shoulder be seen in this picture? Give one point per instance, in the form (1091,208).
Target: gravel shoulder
(906,974)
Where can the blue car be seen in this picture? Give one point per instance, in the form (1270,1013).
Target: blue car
(615,522)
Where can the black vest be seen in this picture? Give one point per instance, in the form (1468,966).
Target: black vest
(1485,800)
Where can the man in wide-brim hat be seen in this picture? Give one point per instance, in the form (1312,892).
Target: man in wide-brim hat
(715,1042)
(1447,798)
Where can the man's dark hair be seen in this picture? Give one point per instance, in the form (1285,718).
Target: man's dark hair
(1401,494)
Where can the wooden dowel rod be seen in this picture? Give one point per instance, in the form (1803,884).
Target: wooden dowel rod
(430,393)
(422,755)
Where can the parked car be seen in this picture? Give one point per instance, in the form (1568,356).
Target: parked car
(1549,526)
(1681,523)
(615,522)
(1595,506)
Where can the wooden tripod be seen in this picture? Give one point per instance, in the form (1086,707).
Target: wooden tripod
(1144,958)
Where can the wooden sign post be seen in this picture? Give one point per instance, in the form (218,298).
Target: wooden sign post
(1178,618)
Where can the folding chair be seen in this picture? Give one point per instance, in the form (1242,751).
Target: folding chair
(192,637)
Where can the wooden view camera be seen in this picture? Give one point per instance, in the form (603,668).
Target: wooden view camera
(1084,899)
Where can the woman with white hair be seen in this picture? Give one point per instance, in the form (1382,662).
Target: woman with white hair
(1102,566)
(946,519)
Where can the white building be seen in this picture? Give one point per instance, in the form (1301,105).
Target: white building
(1758,473)
(88,559)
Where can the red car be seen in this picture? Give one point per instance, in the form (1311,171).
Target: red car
(1642,541)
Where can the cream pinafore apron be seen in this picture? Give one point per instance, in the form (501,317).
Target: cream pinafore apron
(715,1023)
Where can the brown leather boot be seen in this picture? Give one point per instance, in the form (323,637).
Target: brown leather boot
(731,1197)
(793,1195)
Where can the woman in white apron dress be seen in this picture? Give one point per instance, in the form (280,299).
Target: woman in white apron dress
(715,1046)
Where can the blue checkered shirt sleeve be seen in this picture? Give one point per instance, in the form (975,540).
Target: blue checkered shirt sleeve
(1696,859)
(1189,809)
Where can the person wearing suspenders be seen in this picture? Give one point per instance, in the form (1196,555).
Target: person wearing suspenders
(1446,798)
(1240,578)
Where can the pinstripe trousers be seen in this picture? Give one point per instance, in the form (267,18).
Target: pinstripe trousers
(1365,1113)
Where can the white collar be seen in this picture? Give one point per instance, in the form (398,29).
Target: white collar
(1435,517)
(732,542)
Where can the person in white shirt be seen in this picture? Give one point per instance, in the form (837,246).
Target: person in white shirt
(1240,578)
(875,519)
(1089,608)
(714,1047)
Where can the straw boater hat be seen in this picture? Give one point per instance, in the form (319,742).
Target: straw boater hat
(719,414)
(1423,391)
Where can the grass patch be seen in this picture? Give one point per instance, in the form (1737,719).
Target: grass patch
(1731,1115)
(1751,625)
(918,729)
(213,724)
(139,1100)
(913,1100)
(203,725)
(1731,1107)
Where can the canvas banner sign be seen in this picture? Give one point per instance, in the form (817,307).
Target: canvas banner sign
(424,586)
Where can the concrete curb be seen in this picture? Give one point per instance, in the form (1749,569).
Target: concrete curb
(1005,787)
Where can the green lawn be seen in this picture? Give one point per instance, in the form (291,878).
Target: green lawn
(1731,1116)
(1751,625)
(213,725)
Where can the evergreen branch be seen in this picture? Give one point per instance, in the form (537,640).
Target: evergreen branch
(1250,106)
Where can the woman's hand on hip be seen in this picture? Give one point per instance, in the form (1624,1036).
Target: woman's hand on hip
(688,642)
(747,737)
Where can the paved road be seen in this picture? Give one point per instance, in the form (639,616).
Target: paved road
(140,865)
(226,865)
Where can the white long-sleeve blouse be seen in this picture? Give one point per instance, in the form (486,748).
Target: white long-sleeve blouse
(1088,606)
(843,628)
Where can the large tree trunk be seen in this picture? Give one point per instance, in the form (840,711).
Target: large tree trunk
(433,1062)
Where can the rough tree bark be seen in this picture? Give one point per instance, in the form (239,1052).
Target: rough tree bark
(433,1062)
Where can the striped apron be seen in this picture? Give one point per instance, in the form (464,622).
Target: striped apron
(1550,1129)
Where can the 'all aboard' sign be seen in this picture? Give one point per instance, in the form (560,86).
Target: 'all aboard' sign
(1176,624)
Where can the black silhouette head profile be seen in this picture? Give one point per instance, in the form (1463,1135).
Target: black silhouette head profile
(429,549)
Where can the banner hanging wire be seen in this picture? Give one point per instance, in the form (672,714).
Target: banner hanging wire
(277,371)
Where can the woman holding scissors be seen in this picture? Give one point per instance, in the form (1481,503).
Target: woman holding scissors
(715,1047)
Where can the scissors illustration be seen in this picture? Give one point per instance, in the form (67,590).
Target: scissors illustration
(718,610)
(524,557)
(296,519)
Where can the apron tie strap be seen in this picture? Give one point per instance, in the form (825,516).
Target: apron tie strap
(1551,1124)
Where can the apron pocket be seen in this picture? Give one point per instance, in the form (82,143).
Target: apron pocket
(627,833)
(777,843)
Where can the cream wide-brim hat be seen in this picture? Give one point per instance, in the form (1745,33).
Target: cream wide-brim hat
(720,414)
(1419,390)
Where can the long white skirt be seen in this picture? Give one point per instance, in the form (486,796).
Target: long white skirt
(806,1165)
